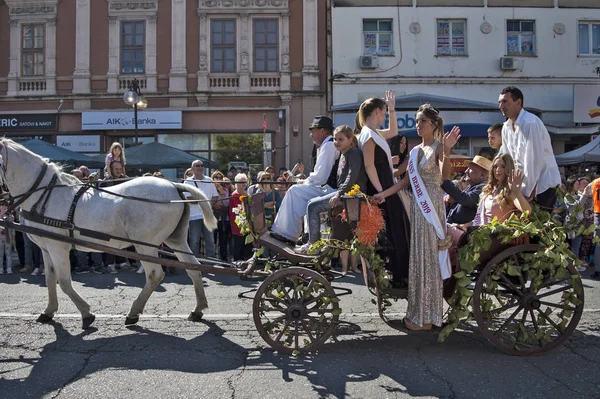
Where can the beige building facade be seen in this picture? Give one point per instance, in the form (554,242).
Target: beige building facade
(214,73)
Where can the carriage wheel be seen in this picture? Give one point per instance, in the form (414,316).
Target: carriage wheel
(296,310)
(521,316)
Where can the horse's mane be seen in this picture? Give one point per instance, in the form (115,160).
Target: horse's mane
(64,177)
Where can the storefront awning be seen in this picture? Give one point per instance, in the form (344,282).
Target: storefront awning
(466,130)
(572,129)
(414,101)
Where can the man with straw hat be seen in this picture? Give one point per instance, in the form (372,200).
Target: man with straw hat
(465,202)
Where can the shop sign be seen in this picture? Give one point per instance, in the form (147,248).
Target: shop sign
(15,122)
(124,120)
(79,143)
(586,104)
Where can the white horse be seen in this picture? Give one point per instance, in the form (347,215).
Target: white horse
(152,223)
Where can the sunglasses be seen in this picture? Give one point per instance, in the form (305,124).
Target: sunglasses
(198,166)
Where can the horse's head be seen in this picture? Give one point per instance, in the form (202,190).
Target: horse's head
(19,167)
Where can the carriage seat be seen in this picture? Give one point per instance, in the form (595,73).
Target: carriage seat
(258,224)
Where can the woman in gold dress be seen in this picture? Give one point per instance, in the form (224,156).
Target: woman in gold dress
(425,301)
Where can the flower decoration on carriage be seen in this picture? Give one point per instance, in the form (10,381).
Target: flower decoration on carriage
(241,219)
(371,220)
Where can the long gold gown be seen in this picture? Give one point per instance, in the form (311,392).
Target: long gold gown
(425,285)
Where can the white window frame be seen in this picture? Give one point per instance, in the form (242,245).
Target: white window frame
(519,42)
(451,22)
(590,25)
(118,14)
(236,44)
(279,40)
(377,33)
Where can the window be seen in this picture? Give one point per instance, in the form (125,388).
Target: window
(33,50)
(589,38)
(133,47)
(377,36)
(451,37)
(266,45)
(520,37)
(222,45)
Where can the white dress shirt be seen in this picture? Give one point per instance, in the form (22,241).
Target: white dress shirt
(326,156)
(207,186)
(530,147)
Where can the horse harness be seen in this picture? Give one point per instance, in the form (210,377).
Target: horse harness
(38,216)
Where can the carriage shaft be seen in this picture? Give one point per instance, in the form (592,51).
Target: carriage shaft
(120,252)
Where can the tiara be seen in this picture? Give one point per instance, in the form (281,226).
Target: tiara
(430,107)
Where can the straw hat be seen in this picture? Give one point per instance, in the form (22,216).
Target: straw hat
(482,162)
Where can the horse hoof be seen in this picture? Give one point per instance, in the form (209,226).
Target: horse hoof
(87,321)
(195,316)
(44,318)
(129,321)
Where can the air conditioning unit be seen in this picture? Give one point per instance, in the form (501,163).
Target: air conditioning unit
(368,62)
(507,64)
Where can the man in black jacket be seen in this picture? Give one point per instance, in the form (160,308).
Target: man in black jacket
(466,202)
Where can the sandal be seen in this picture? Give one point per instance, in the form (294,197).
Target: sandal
(415,327)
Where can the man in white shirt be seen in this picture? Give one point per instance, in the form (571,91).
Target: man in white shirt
(197,228)
(526,139)
(287,226)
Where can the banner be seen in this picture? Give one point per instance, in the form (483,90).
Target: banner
(124,120)
(21,122)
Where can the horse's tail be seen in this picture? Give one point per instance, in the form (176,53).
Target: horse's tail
(210,221)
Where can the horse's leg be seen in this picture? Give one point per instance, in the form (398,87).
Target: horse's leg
(196,276)
(154,275)
(51,280)
(59,256)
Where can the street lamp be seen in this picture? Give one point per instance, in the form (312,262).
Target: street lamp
(134,97)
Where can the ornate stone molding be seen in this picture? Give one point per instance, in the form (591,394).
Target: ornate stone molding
(129,5)
(219,5)
(286,100)
(33,10)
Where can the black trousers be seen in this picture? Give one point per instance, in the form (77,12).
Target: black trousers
(547,199)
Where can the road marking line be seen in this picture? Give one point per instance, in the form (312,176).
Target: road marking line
(217,316)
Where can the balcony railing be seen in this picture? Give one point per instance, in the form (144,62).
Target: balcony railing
(230,82)
(125,82)
(32,85)
(266,82)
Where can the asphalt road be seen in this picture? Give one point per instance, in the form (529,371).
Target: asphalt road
(166,356)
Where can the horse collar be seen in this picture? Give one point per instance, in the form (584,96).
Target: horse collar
(27,194)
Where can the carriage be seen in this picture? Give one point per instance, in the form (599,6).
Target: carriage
(523,302)
(519,308)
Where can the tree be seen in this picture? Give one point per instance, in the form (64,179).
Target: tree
(247,148)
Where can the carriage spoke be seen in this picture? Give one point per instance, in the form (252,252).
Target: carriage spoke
(509,320)
(297,335)
(503,308)
(535,326)
(280,310)
(549,320)
(511,285)
(312,339)
(523,283)
(556,291)
(285,326)
(558,305)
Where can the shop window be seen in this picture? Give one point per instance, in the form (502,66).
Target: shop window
(520,37)
(222,45)
(185,141)
(266,44)
(32,48)
(239,147)
(451,37)
(377,37)
(589,38)
(133,47)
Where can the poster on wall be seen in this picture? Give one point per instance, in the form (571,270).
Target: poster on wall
(586,104)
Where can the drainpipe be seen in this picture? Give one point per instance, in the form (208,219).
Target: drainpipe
(328,60)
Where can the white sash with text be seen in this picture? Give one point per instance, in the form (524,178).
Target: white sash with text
(421,197)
